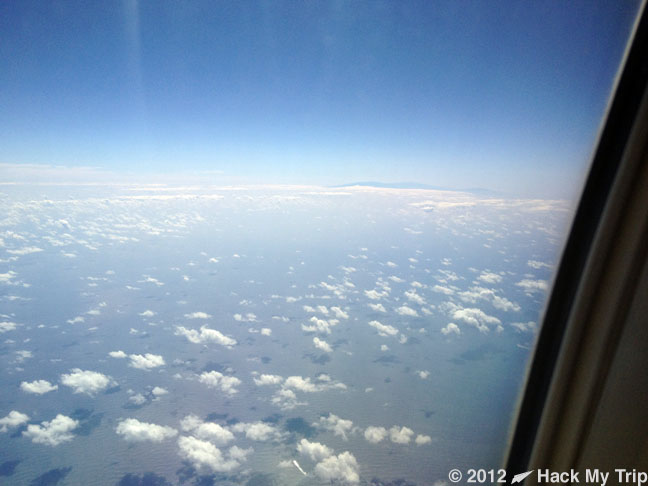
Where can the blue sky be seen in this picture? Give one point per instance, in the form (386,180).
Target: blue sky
(502,95)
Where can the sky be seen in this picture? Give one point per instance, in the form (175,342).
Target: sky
(506,96)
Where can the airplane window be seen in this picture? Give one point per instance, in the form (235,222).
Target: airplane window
(285,243)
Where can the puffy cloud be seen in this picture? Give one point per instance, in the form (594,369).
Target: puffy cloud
(414,297)
(374,294)
(117,354)
(266,331)
(504,304)
(159,391)
(396,279)
(7,326)
(406,311)
(314,450)
(205,335)
(88,382)
(25,251)
(198,315)
(443,290)
(339,313)
(375,434)
(52,433)
(323,345)
(146,362)
(147,313)
(532,286)
(490,277)
(214,379)
(422,439)
(137,399)
(268,380)
(210,431)
(260,431)
(249,317)
(470,315)
(423,374)
(205,456)
(377,307)
(524,326)
(538,265)
(321,326)
(13,419)
(302,384)
(335,424)
(475,294)
(38,387)
(451,328)
(400,436)
(342,467)
(135,431)
(383,329)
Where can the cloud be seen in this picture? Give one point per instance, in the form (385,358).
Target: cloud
(414,297)
(249,317)
(470,315)
(214,379)
(342,467)
(159,391)
(423,374)
(205,456)
(532,286)
(524,326)
(374,294)
(323,345)
(268,380)
(490,277)
(339,313)
(52,433)
(406,311)
(314,450)
(321,326)
(400,436)
(443,290)
(135,431)
(538,265)
(451,328)
(266,331)
(147,313)
(475,294)
(13,419)
(7,326)
(25,251)
(88,382)
(198,315)
(117,354)
(377,307)
(38,387)
(146,362)
(259,431)
(375,434)
(205,335)
(339,426)
(213,432)
(383,329)
(422,439)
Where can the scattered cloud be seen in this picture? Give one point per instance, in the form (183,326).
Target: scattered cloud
(198,315)
(146,361)
(39,387)
(375,434)
(206,457)
(215,379)
(52,433)
(88,382)
(12,420)
(205,335)
(339,426)
(451,328)
(323,345)
(406,311)
(135,431)
(383,330)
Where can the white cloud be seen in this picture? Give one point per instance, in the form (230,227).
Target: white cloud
(13,419)
(38,387)
(423,374)
(524,326)
(52,433)
(443,290)
(137,399)
(147,313)
(538,265)
(205,335)
(406,311)
(7,326)
(197,315)
(383,329)
(391,264)
(414,297)
(339,313)
(259,431)
(342,467)
(25,251)
(314,450)
(249,317)
(531,286)
(88,382)
(375,434)
(400,436)
(323,345)
(266,331)
(117,354)
(268,380)
(396,279)
(335,424)
(146,362)
(451,328)
(159,391)
(490,277)
(301,384)
(205,456)
(135,431)
(76,320)
(226,384)
(423,439)
(374,294)
(210,431)
(377,307)
(473,316)
(321,326)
